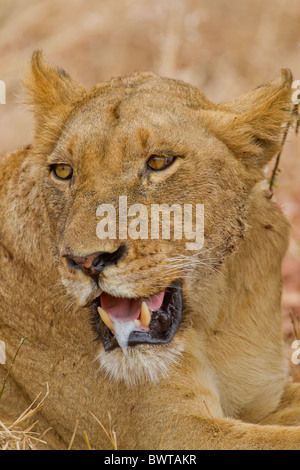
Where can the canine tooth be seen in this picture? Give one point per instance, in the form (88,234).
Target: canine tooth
(106,318)
(145,315)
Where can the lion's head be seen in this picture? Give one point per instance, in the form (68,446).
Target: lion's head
(107,159)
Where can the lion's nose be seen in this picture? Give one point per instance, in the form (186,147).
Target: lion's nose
(94,263)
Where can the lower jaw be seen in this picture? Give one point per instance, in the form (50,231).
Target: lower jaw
(163,325)
(141,365)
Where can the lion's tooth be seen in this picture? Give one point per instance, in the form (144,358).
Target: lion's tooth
(137,323)
(145,315)
(106,318)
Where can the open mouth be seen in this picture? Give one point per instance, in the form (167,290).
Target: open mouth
(127,322)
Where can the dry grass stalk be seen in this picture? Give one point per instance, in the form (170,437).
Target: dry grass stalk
(226,441)
(110,433)
(164,433)
(73,435)
(87,441)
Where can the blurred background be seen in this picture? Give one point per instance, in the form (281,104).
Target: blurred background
(224,47)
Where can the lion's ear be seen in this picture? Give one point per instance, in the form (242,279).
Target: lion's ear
(51,91)
(251,126)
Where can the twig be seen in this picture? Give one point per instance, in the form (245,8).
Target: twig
(294,113)
(23,340)
(296,326)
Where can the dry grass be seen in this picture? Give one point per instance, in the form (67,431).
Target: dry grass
(20,435)
(110,433)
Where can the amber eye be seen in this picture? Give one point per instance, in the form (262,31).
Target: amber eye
(62,172)
(159,162)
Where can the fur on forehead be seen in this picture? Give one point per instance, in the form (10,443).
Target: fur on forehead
(250,126)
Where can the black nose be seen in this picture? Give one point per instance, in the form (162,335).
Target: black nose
(94,263)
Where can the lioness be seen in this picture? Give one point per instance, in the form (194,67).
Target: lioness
(202,364)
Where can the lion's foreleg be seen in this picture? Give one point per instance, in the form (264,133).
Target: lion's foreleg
(288,412)
(217,434)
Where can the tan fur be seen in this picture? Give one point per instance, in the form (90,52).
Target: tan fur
(225,371)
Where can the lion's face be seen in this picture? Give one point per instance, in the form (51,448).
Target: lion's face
(123,149)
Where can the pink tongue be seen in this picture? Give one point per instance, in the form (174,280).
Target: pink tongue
(129,309)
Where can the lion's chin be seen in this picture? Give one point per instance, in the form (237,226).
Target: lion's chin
(127,323)
(141,364)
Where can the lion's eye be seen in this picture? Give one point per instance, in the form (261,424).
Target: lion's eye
(62,172)
(159,162)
